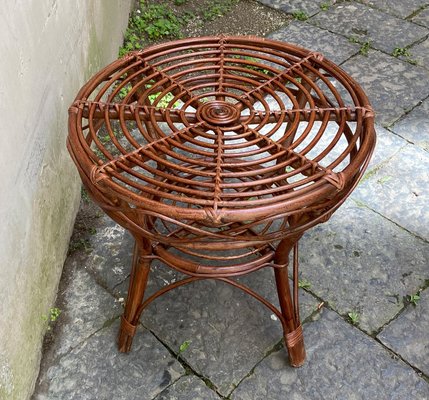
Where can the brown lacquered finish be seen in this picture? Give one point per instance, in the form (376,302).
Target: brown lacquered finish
(213,150)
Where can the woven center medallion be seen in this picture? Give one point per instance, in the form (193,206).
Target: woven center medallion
(218,113)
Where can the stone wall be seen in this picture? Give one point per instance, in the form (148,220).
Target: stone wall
(48,49)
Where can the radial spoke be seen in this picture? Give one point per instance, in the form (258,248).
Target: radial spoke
(348,114)
(278,77)
(116,111)
(178,88)
(312,166)
(219,161)
(220,89)
(146,146)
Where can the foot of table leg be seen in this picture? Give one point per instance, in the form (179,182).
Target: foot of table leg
(126,335)
(138,281)
(295,345)
(289,305)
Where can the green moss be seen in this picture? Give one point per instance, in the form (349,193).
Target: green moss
(54,205)
(370,173)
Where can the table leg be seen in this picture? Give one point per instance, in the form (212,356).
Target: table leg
(289,306)
(138,281)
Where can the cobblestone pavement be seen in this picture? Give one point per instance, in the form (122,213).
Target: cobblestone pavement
(378,256)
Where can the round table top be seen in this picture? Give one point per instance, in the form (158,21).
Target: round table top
(222,130)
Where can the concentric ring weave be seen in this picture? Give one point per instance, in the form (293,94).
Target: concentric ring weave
(221,139)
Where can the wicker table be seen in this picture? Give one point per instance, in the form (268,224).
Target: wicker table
(209,144)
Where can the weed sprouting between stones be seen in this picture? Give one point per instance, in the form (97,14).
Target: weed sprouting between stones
(51,317)
(354,317)
(300,15)
(154,21)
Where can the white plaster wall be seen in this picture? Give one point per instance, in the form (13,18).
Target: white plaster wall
(48,48)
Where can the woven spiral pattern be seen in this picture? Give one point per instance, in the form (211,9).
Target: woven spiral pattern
(221,138)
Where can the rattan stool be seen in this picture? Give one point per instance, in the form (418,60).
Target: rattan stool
(206,144)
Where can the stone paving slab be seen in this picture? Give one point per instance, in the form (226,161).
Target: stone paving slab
(188,388)
(110,260)
(386,147)
(359,261)
(96,370)
(309,7)
(422,18)
(393,86)
(264,283)
(85,307)
(342,363)
(415,126)
(335,47)
(399,190)
(408,334)
(364,23)
(400,9)
(229,331)
(111,249)
(420,53)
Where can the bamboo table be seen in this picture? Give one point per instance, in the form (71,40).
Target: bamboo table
(206,144)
